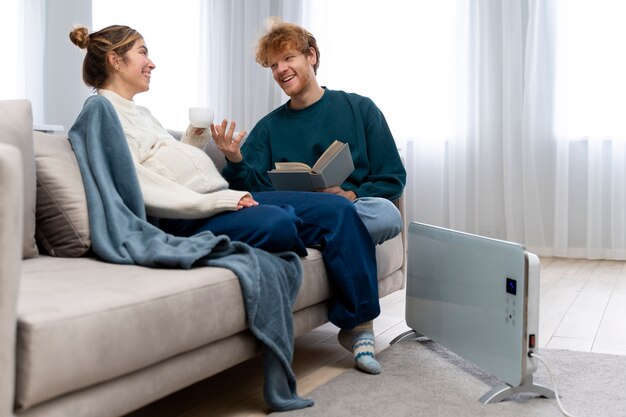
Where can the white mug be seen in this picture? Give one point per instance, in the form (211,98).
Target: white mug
(201,117)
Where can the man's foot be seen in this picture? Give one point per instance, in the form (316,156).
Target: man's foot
(361,342)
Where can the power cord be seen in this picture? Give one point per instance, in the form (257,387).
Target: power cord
(556,393)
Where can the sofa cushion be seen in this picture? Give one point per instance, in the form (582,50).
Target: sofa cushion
(16,128)
(62,219)
(82,321)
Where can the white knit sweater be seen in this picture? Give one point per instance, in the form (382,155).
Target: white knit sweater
(177,180)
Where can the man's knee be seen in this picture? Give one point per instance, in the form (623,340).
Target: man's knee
(381,218)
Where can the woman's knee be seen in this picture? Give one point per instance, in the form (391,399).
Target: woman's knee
(276,230)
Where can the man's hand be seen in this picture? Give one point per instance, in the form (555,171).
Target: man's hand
(246,201)
(223,138)
(350,195)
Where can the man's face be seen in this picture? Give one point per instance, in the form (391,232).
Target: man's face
(293,71)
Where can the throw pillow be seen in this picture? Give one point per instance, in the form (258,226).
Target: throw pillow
(62,217)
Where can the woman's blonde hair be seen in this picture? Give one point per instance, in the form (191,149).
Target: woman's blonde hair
(281,36)
(115,38)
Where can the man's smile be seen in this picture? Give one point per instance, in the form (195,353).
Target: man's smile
(287,78)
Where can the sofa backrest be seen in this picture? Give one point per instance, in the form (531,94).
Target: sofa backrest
(16,128)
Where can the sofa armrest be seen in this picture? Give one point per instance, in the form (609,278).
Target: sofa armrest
(401,204)
(11,226)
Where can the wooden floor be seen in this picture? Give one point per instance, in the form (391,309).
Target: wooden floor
(583,306)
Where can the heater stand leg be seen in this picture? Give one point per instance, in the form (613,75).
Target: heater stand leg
(402,336)
(503,391)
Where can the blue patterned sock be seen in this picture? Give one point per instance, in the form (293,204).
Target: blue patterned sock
(361,342)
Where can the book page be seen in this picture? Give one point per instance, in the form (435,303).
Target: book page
(292,166)
(328,155)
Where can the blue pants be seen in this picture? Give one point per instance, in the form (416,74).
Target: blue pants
(291,221)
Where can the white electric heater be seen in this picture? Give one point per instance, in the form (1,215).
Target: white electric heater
(479,298)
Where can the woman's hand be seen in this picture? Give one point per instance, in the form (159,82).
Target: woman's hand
(246,201)
(196,136)
(225,142)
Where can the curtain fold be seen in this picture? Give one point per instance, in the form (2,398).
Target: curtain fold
(505,173)
(34,56)
(535,190)
(588,153)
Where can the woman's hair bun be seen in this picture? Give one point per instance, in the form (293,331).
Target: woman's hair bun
(80,36)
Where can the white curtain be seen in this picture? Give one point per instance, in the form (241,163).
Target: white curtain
(510,174)
(500,182)
(22,27)
(590,129)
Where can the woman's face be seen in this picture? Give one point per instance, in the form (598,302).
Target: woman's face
(135,69)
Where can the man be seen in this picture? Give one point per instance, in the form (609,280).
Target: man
(300,131)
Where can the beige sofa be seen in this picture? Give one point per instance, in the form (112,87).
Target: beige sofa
(80,337)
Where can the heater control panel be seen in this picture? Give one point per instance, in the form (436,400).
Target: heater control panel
(511,302)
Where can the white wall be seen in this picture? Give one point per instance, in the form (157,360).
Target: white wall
(64,90)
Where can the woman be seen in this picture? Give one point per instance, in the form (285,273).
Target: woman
(182,187)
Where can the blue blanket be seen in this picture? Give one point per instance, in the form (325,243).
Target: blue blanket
(122,234)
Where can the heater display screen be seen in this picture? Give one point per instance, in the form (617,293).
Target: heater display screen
(511,286)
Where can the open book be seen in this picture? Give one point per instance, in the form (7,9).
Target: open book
(332,168)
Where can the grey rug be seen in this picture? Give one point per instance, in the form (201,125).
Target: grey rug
(421,378)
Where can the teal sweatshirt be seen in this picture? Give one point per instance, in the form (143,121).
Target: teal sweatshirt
(286,135)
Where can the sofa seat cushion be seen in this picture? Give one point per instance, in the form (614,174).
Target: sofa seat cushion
(82,321)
